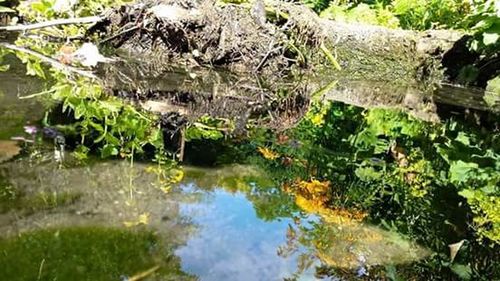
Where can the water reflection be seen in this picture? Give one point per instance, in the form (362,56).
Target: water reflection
(233,243)
(16,112)
(216,232)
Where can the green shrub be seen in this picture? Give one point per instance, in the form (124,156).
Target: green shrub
(363,13)
(429,14)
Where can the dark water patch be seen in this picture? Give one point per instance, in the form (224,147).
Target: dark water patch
(15,112)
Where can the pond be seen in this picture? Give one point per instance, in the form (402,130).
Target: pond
(84,214)
(360,189)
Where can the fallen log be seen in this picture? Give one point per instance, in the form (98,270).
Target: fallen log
(286,39)
(292,40)
(226,50)
(291,43)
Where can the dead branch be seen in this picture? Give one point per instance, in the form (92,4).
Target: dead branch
(45,24)
(51,61)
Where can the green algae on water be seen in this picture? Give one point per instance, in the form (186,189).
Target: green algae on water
(84,253)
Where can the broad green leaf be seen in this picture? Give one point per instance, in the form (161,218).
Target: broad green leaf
(467,193)
(109,150)
(463,138)
(464,272)
(490,38)
(367,174)
(492,93)
(460,171)
(40,7)
(483,24)
(34,68)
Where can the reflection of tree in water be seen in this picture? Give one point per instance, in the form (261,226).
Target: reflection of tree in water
(407,175)
(339,240)
(269,202)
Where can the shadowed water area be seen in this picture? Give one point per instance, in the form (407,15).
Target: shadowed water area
(233,210)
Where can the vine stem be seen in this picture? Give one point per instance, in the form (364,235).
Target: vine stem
(50,23)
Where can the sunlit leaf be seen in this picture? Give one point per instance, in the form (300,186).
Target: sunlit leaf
(367,174)
(267,153)
(6,10)
(4,67)
(62,6)
(490,38)
(460,170)
(463,271)
(34,68)
(109,150)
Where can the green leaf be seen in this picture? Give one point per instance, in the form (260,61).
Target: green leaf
(4,67)
(460,170)
(492,93)
(464,272)
(490,38)
(109,150)
(40,7)
(367,174)
(34,68)
(463,138)
(467,193)
(81,152)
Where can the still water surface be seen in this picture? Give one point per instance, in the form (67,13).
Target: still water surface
(112,220)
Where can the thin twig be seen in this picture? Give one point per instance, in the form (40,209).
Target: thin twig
(40,25)
(182,145)
(120,34)
(35,95)
(267,56)
(51,61)
(144,274)
(40,269)
(330,57)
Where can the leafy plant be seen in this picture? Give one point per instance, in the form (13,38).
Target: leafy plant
(492,92)
(375,15)
(485,23)
(105,123)
(206,128)
(429,14)
(3,67)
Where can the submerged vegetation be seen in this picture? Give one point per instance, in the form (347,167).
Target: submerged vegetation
(120,254)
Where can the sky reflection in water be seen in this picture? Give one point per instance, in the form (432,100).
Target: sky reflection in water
(233,243)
